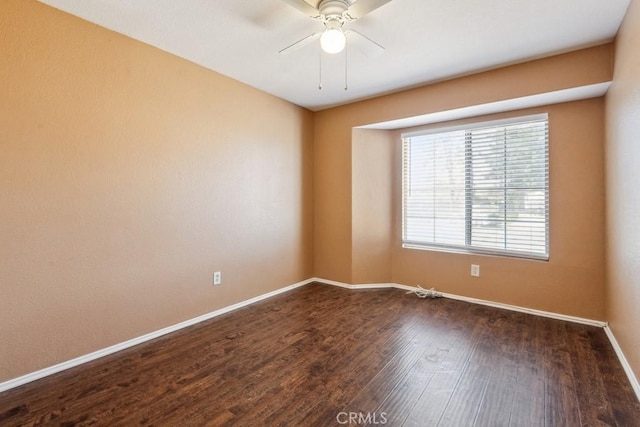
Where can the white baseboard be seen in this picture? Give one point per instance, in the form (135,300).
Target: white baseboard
(350,286)
(614,343)
(533,311)
(33,376)
(542,313)
(16,382)
(623,360)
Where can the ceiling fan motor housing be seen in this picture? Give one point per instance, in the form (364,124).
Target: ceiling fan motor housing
(333,9)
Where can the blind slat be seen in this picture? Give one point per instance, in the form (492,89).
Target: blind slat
(485,187)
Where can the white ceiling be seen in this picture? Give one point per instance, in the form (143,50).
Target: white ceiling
(425,40)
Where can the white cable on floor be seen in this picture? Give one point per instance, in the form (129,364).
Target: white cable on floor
(426,293)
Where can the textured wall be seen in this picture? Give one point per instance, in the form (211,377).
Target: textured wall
(127,176)
(571,283)
(372,208)
(623,192)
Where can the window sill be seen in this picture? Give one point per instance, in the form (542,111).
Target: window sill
(479,252)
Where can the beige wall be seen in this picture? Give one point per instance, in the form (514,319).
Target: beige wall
(127,176)
(571,283)
(623,194)
(372,208)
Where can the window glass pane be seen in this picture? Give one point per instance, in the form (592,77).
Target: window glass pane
(435,189)
(483,188)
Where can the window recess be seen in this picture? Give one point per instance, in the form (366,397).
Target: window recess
(480,188)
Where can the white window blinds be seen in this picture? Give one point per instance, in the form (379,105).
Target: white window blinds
(479,188)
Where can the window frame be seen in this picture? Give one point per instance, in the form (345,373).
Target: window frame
(468,248)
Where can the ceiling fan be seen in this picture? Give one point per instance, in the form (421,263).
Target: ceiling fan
(334,14)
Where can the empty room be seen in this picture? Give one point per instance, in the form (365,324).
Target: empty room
(319,213)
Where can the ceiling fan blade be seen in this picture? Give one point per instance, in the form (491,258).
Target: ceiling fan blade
(364,44)
(362,7)
(303,7)
(300,43)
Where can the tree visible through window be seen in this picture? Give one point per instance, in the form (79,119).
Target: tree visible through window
(480,188)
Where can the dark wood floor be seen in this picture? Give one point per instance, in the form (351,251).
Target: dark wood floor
(325,356)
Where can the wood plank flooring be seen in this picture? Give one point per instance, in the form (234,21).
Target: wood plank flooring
(325,356)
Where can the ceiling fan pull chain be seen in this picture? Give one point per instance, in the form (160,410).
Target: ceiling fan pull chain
(320,73)
(346,55)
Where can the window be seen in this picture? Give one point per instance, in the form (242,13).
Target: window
(481,188)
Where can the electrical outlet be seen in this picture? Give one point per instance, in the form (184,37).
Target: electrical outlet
(475,270)
(217,278)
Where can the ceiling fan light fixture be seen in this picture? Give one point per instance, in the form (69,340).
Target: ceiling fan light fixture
(333,40)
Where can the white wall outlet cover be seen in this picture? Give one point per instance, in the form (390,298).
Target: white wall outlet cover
(475,270)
